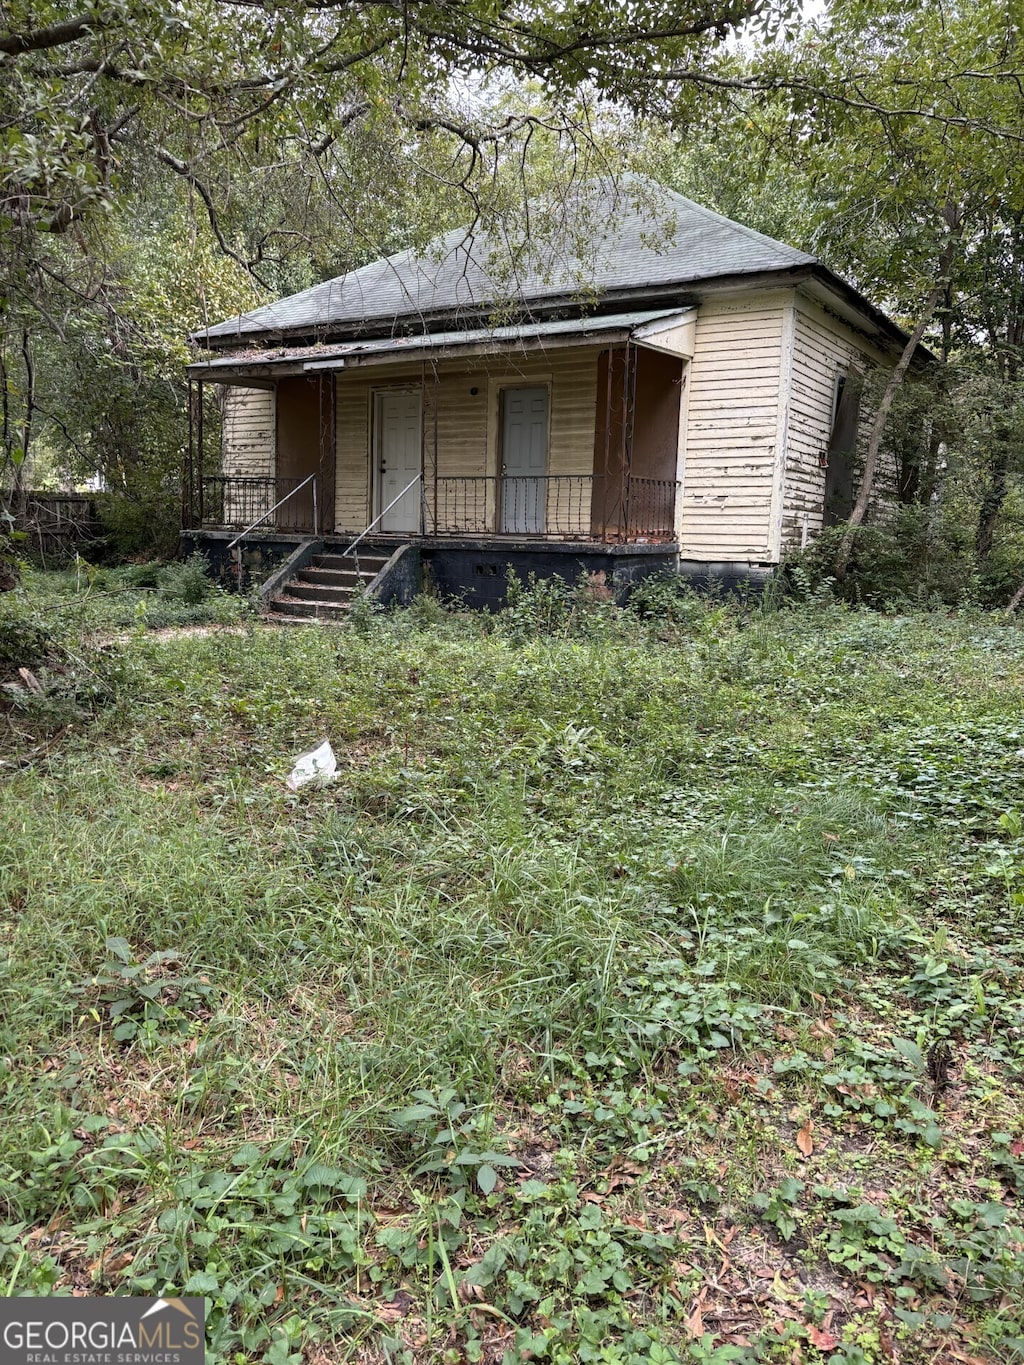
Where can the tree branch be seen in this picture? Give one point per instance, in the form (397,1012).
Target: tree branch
(55,35)
(186,172)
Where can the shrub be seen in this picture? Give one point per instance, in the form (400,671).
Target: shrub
(912,557)
(187,582)
(26,638)
(551,606)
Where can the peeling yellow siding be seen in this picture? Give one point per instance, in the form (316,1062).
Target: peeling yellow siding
(248,433)
(731,428)
(824,347)
(466,423)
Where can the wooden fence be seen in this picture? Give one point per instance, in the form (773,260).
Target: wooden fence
(57,525)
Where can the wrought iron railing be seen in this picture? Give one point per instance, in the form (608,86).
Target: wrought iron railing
(528,505)
(650,509)
(461,505)
(552,505)
(548,505)
(229,502)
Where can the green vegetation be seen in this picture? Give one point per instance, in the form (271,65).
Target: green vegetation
(646,987)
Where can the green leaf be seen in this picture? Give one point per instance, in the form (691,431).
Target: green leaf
(487,1178)
(202,1282)
(910,1052)
(120,947)
(414,1113)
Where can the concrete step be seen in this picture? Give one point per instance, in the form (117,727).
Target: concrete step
(337,578)
(298,607)
(317,592)
(374,562)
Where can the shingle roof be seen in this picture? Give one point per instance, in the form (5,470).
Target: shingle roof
(632,237)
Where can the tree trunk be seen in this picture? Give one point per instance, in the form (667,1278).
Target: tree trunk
(992,503)
(21,467)
(954,223)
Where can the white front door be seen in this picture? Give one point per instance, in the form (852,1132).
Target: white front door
(399,455)
(524,460)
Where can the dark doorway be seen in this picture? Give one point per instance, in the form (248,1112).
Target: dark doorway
(305,446)
(840,474)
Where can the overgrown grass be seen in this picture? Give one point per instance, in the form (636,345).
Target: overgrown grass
(645,988)
(106,600)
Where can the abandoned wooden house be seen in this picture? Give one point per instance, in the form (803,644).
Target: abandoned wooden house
(681,393)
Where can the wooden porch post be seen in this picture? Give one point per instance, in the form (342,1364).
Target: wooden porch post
(200,451)
(188,473)
(437,389)
(628,411)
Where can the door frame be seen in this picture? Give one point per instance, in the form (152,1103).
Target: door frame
(376,428)
(496,386)
(323,418)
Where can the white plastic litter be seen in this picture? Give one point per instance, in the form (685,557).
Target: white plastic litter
(316,765)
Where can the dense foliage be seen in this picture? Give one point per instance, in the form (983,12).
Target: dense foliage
(646,988)
(164,167)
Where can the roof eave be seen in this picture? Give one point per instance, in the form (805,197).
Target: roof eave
(886,330)
(681,293)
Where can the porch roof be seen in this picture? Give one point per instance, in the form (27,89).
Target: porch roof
(478,340)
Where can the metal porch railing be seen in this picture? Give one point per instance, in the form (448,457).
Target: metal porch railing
(228,503)
(551,506)
(650,508)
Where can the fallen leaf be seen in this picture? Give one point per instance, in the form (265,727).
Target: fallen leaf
(694,1324)
(109,1265)
(824,1341)
(804,1140)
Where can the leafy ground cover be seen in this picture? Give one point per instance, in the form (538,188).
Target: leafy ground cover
(646,988)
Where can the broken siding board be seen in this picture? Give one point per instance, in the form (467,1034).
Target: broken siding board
(732,420)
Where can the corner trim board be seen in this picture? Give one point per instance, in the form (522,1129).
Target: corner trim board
(782,432)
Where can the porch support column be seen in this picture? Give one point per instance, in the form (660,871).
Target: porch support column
(437,391)
(200,400)
(188,473)
(626,436)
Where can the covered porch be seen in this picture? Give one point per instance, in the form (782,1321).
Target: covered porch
(546,507)
(569,430)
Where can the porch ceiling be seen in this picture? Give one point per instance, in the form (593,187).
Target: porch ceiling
(478,340)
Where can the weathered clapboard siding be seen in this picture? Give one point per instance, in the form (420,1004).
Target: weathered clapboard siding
(732,417)
(823,348)
(248,433)
(352,467)
(467,424)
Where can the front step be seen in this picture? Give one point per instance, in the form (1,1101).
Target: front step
(373,562)
(293,607)
(325,589)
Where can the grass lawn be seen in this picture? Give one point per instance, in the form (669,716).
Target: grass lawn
(643,989)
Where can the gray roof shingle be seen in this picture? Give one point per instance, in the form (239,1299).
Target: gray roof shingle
(631,237)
